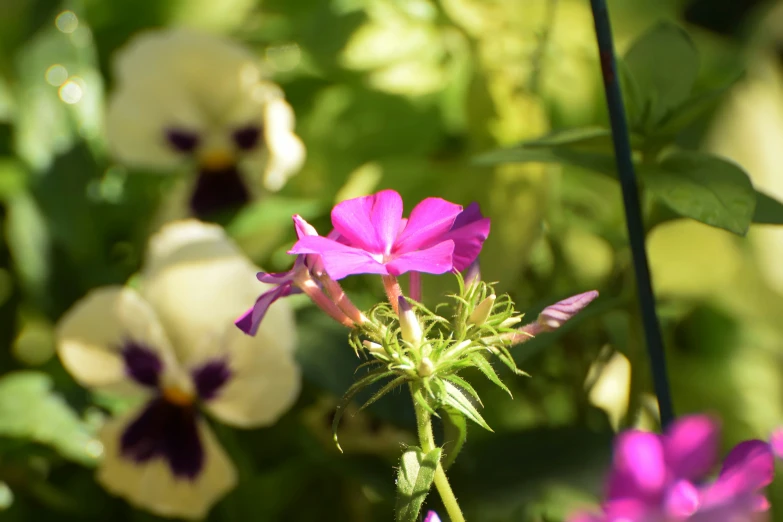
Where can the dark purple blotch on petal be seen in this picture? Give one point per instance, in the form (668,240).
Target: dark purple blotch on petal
(167,431)
(217,191)
(210,378)
(142,364)
(182,140)
(246,138)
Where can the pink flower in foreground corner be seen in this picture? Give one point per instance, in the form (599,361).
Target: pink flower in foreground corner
(661,478)
(432,517)
(374,238)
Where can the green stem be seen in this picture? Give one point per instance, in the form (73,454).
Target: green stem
(427,441)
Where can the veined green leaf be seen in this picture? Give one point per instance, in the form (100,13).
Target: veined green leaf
(414,480)
(457,400)
(705,188)
(464,385)
(485,367)
(664,64)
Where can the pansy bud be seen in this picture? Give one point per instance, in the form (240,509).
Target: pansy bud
(409,323)
(553,317)
(481,312)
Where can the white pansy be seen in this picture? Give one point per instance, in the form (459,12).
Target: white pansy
(174,341)
(186,98)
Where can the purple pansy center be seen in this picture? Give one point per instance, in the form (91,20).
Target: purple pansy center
(168,429)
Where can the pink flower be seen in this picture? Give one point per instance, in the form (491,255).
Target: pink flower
(306,275)
(375,239)
(659,478)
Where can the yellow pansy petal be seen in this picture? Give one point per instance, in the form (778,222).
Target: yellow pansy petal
(91,334)
(152,486)
(199,282)
(265,379)
(286,152)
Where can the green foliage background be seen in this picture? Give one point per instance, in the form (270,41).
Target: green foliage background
(403,94)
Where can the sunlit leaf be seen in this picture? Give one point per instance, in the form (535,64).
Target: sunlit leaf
(29,409)
(596,161)
(457,400)
(705,188)
(414,479)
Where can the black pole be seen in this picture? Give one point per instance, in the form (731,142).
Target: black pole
(633,214)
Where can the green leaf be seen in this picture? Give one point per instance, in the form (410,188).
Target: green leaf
(664,64)
(399,381)
(485,367)
(465,385)
(455,433)
(272,211)
(705,188)
(583,137)
(355,388)
(768,211)
(30,410)
(599,162)
(691,110)
(457,400)
(414,479)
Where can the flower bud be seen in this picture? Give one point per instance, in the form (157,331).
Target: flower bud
(482,311)
(553,317)
(373,347)
(426,368)
(472,273)
(409,323)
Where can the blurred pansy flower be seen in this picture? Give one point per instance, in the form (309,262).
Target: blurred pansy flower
(664,478)
(171,342)
(184,98)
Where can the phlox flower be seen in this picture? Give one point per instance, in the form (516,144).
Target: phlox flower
(663,478)
(183,98)
(432,517)
(172,344)
(374,238)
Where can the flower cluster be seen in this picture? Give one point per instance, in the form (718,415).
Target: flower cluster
(665,478)
(170,344)
(404,342)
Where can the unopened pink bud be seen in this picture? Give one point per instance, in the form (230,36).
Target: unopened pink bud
(409,323)
(553,317)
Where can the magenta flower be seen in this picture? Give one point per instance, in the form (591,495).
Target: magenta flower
(660,478)
(375,239)
(305,276)
(432,517)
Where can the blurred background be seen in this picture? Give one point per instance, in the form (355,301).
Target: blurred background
(398,94)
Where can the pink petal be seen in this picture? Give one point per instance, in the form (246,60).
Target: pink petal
(632,510)
(749,467)
(367,222)
(468,234)
(776,441)
(426,225)
(682,500)
(251,320)
(316,245)
(303,228)
(639,470)
(432,517)
(691,446)
(434,260)
(342,263)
